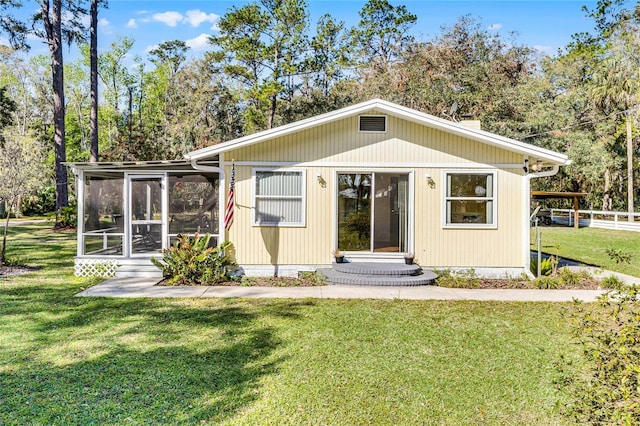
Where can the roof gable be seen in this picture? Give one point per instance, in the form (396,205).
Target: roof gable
(392,110)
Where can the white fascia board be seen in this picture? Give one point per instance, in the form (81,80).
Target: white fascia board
(474,134)
(287,129)
(396,111)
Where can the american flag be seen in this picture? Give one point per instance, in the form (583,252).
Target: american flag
(228,211)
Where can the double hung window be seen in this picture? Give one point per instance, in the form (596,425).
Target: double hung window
(279,198)
(470,200)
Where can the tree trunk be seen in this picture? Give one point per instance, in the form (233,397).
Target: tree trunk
(272,111)
(93,54)
(3,250)
(53,28)
(630,191)
(606,197)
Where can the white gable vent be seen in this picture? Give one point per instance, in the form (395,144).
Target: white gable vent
(373,123)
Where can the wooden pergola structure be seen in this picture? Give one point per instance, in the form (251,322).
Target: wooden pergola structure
(575,196)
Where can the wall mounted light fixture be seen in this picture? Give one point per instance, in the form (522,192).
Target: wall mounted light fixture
(430,181)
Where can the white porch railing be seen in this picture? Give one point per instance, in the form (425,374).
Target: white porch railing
(598,219)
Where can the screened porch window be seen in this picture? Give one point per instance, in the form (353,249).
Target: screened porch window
(470,200)
(279,198)
(103,222)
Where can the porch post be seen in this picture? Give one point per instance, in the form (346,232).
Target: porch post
(576,215)
(80,225)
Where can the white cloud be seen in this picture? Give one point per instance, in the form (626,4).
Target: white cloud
(494,27)
(4,41)
(197,17)
(543,49)
(84,19)
(132,23)
(33,37)
(199,43)
(151,47)
(170,18)
(105,26)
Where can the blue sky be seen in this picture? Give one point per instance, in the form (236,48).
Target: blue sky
(545,25)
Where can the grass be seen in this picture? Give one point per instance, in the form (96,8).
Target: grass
(67,360)
(589,245)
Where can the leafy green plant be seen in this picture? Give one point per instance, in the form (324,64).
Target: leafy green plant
(546,282)
(548,265)
(618,256)
(607,391)
(190,261)
(467,278)
(570,278)
(613,282)
(66,217)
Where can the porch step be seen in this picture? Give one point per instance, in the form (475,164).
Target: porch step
(377,274)
(373,268)
(138,271)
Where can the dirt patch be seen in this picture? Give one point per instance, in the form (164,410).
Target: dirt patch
(8,270)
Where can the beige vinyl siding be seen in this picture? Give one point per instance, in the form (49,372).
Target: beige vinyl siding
(437,246)
(283,245)
(404,147)
(403,142)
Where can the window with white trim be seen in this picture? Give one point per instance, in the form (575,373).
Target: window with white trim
(279,197)
(470,200)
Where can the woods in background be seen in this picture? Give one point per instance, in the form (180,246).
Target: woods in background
(268,65)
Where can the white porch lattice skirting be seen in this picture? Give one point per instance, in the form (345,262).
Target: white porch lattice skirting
(103,268)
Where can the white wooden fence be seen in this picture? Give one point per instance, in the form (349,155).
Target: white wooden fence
(598,219)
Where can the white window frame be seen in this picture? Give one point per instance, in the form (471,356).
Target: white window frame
(302,197)
(493,199)
(386,123)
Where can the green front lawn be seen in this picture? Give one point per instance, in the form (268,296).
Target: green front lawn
(66,360)
(589,245)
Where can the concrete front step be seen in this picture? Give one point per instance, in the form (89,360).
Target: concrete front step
(336,277)
(374,268)
(138,271)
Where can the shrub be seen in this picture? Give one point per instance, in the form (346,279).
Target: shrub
(190,261)
(569,278)
(43,202)
(607,391)
(460,279)
(613,282)
(546,283)
(67,217)
(313,277)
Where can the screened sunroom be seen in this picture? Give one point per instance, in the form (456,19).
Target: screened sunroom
(134,210)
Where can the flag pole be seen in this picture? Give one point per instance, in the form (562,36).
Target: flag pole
(230,206)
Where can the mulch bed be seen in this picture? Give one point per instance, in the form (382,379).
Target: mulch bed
(522,284)
(310,282)
(267,282)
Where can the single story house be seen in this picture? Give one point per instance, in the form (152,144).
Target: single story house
(375,180)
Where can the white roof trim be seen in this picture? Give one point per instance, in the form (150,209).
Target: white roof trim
(393,110)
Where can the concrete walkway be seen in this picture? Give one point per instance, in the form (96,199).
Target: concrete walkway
(145,287)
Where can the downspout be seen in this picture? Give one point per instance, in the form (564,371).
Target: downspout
(221,194)
(527,198)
